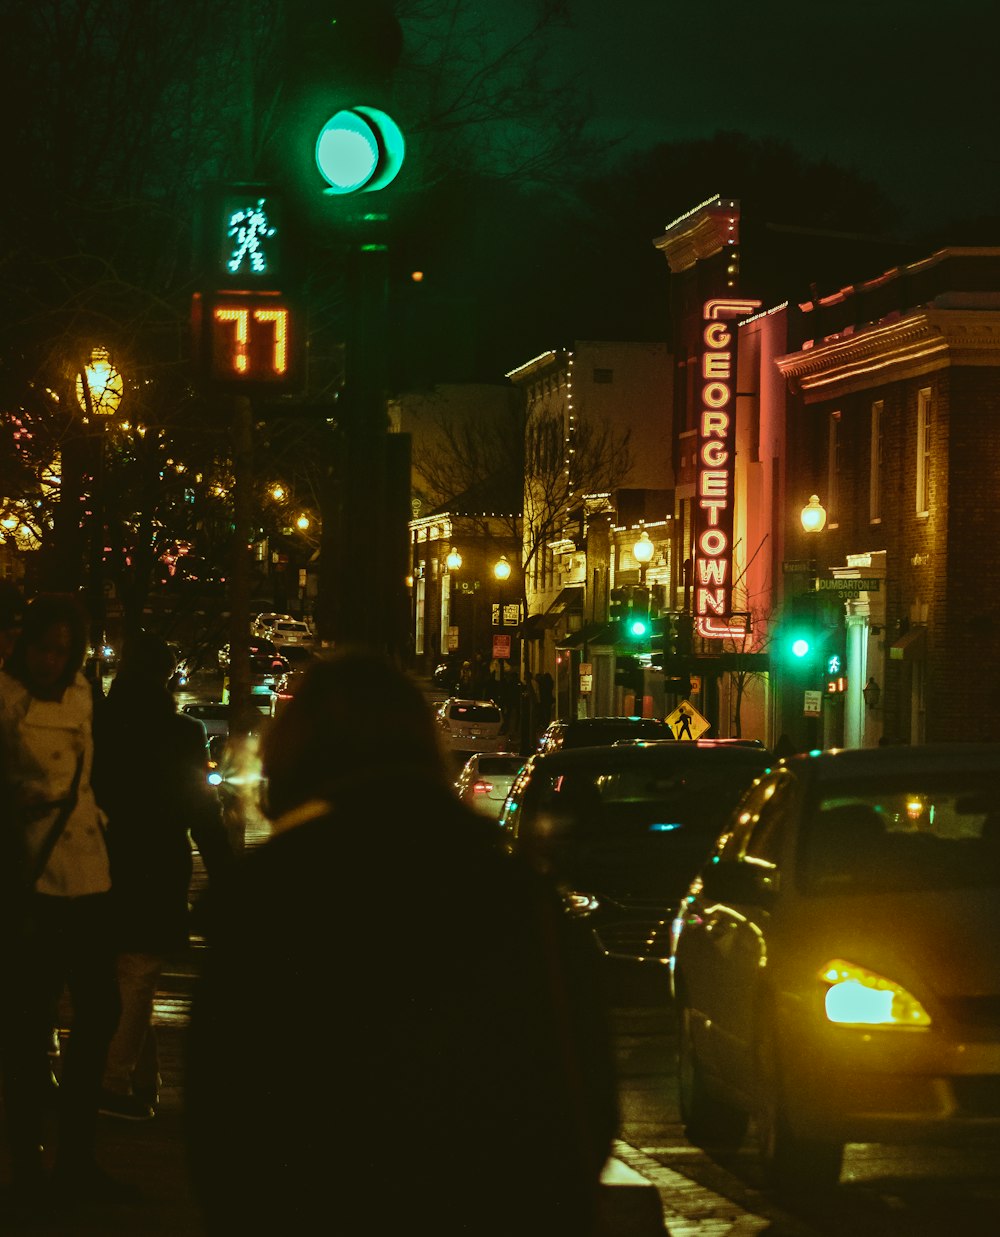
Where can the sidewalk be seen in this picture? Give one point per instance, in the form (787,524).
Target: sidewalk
(146,1155)
(150,1156)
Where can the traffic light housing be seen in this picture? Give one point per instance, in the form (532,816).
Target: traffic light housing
(628,673)
(635,622)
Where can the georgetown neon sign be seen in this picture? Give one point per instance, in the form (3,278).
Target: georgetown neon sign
(713,558)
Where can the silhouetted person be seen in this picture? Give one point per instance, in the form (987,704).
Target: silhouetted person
(546,698)
(55,905)
(150,776)
(456,1009)
(784,747)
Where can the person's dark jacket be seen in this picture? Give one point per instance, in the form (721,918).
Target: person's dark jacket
(151,778)
(397,1024)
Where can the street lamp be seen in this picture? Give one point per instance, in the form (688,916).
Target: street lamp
(501,570)
(872,693)
(453,560)
(642,552)
(813,515)
(813,519)
(99,389)
(99,385)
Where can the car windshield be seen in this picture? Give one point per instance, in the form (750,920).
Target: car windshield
(919,834)
(474,713)
(626,822)
(497,765)
(604,733)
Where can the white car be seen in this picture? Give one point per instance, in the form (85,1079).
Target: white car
(263,623)
(472,726)
(485,780)
(291,633)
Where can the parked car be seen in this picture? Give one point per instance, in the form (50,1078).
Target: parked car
(835,965)
(291,633)
(485,780)
(471,726)
(213,714)
(624,829)
(260,648)
(599,731)
(262,624)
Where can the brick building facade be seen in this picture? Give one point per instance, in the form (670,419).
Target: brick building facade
(893,423)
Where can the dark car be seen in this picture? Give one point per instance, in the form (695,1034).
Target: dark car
(835,969)
(624,829)
(600,731)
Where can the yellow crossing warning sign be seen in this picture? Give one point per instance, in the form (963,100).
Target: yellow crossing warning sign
(686,722)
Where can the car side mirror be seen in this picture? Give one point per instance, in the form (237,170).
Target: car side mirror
(750,883)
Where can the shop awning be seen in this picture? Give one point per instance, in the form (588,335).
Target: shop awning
(911,646)
(569,598)
(593,633)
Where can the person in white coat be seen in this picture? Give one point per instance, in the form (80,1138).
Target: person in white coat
(56,926)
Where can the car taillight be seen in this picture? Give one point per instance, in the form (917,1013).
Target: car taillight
(482,788)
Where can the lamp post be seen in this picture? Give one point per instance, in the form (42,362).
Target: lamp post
(813,519)
(642,552)
(99,390)
(501,570)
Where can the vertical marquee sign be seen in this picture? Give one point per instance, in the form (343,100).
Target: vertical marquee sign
(245,330)
(713,556)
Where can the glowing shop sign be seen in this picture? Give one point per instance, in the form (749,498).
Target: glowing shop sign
(713,557)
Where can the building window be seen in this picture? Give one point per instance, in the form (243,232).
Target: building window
(924,410)
(446,617)
(833,468)
(875,474)
(604,375)
(418,643)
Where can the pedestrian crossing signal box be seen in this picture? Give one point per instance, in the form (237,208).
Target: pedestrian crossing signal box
(246,339)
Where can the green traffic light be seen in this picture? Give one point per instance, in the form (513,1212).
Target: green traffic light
(800,647)
(638,627)
(359,149)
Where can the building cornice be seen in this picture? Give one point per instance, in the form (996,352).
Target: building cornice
(700,233)
(909,347)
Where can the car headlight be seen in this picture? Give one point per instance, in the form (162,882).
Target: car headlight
(856,996)
(580,903)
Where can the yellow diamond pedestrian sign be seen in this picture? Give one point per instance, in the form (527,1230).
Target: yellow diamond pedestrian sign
(686,722)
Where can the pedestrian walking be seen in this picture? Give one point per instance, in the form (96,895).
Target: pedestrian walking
(380,969)
(151,778)
(546,698)
(11,618)
(55,929)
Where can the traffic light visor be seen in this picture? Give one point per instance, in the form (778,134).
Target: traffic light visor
(359,149)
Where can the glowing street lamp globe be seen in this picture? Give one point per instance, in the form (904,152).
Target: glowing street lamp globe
(813,515)
(502,569)
(99,385)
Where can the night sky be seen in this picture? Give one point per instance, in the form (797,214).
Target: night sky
(905,93)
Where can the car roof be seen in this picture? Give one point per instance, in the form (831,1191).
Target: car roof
(845,764)
(468,700)
(665,755)
(729,742)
